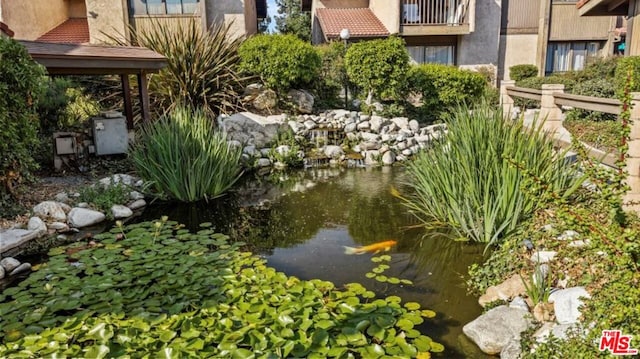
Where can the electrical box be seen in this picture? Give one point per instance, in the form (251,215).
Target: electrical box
(110,133)
(65,145)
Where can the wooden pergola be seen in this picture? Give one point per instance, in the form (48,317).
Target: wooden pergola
(75,59)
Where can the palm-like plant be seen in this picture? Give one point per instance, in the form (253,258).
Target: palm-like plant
(202,65)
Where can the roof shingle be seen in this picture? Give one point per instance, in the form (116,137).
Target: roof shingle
(361,22)
(72,31)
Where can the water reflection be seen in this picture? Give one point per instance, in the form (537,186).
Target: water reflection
(311,215)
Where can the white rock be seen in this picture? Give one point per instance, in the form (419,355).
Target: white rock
(62,197)
(385,137)
(50,209)
(36,224)
(369,136)
(265,152)
(548,329)
(19,269)
(407,152)
(519,303)
(566,304)
(59,226)
(2,273)
(543,256)
(83,205)
(371,157)
(570,234)
(364,125)
(332,151)
(234,144)
(414,125)
(388,158)
(119,178)
(384,149)
(513,349)
(310,124)
(137,204)
(120,211)
(9,264)
(401,122)
(250,150)
(376,123)
(13,238)
(493,330)
(135,195)
(401,158)
(283,150)
(370,145)
(246,127)
(401,145)
(263,162)
(83,217)
(580,243)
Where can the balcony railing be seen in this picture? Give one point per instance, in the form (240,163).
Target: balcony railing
(434,12)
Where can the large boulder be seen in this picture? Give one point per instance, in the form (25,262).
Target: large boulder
(50,209)
(567,302)
(506,290)
(37,224)
(13,238)
(302,99)
(249,128)
(493,330)
(83,217)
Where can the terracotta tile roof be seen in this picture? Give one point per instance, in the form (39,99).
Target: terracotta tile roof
(72,31)
(361,22)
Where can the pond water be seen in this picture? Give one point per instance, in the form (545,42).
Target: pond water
(302,224)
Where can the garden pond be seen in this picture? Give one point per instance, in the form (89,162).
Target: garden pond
(301,221)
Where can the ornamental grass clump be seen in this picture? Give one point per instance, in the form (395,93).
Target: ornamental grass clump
(185,158)
(472,179)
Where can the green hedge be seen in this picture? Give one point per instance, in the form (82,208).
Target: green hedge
(281,61)
(521,72)
(379,67)
(443,87)
(20,82)
(626,66)
(537,82)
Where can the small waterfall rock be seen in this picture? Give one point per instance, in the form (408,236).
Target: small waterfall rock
(388,158)
(83,217)
(334,152)
(120,211)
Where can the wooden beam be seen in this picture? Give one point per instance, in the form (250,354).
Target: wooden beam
(614,4)
(128,106)
(144,96)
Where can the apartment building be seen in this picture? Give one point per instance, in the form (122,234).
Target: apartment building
(87,21)
(630,9)
(550,34)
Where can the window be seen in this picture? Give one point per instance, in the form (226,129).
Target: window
(570,56)
(163,7)
(432,54)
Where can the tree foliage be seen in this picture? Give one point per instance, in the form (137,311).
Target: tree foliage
(379,67)
(292,20)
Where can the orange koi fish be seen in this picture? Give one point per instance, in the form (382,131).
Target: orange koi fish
(372,248)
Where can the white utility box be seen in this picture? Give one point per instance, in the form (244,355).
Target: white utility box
(110,133)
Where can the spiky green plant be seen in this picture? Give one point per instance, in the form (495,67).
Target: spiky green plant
(185,158)
(201,67)
(472,178)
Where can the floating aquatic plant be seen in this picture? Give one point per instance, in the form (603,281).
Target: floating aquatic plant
(148,290)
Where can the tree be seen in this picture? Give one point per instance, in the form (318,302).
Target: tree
(292,20)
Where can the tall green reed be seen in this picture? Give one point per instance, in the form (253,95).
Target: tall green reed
(469,179)
(185,158)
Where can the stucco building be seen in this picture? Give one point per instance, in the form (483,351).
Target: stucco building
(550,34)
(87,21)
(628,8)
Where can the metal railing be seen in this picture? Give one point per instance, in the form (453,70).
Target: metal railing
(434,12)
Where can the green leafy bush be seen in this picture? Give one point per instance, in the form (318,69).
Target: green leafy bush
(469,179)
(597,87)
(20,82)
(176,293)
(379,67)
(598,68)
(521,72)
(102,198)
(63,105)
(281,61)
(202,66)
(185,158)
(444,87)
(332,75)
(627,65)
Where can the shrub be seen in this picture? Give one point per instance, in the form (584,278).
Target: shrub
(281,61)
(521,72)
(443,87)
(185,158)
(20,79)
(470,181)
(625,66)
(332,75)
(103,198)
(537,82)
(598,87)
(379,67)
(202,66)
(598,68)
(62,105)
